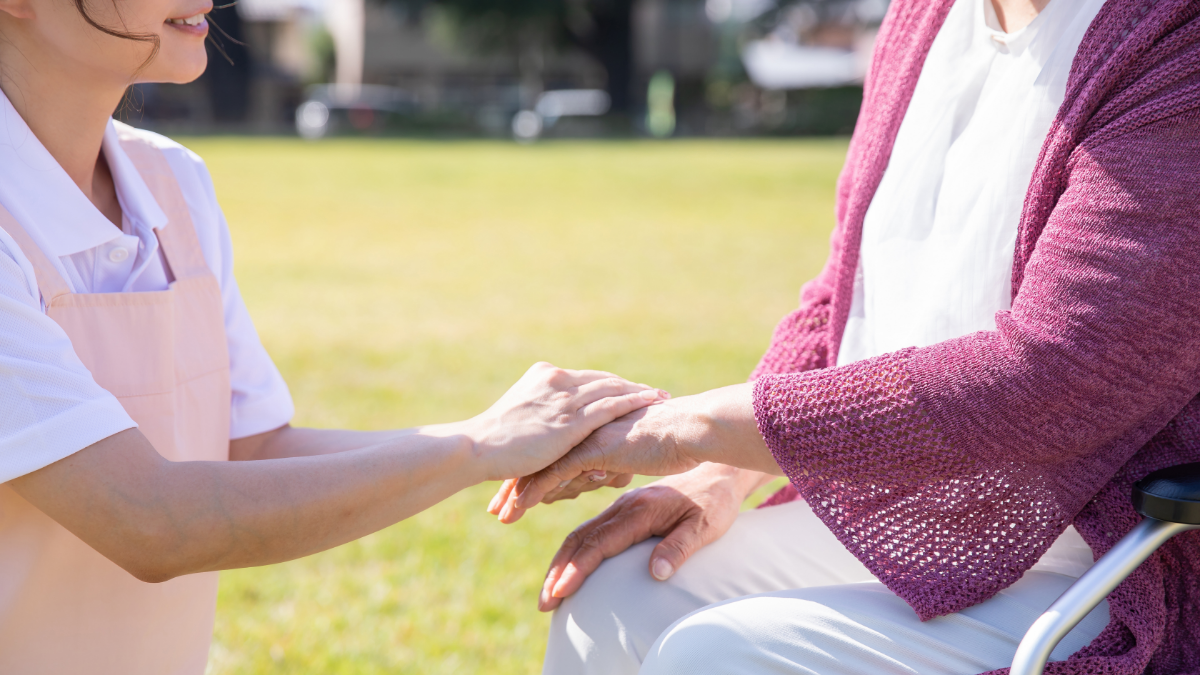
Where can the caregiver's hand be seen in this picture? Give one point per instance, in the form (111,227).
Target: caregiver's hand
(676,436)
(547,412)
(689,511)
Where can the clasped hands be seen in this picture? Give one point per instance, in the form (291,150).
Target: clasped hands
(711,453)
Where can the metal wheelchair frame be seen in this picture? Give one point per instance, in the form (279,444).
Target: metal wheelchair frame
(1170,501)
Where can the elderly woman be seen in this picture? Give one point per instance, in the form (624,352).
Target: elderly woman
(1006,337)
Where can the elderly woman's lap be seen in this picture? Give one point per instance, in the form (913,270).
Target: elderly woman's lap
(859,628)
(779,594)
(609,625)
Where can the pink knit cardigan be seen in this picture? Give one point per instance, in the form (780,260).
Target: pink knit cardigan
(948,470)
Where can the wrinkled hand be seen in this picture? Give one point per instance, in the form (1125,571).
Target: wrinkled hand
(546,413)
(689,511)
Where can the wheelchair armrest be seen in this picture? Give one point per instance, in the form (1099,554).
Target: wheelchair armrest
(1170,501)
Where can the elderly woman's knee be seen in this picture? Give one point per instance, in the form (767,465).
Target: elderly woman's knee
(598,628)
(725,638)
(609,624)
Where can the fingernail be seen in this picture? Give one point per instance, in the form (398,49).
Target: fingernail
(559,586)
(662,570)
(597,475)
(557,591)
(564,484)
(664,394)
(649,394)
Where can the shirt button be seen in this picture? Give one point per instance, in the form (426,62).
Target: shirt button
(118,255)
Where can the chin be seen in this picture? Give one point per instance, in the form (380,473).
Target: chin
(176,68)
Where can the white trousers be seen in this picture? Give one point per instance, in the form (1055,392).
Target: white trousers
(779,594)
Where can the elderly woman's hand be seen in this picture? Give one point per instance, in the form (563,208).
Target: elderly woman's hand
(689,511)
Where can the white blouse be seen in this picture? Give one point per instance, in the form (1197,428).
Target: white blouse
(937,244)
(50,407)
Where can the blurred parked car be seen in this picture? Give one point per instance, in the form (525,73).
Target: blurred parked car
(328,108)
(528,125)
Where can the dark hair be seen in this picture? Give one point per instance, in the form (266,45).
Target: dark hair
(151,38)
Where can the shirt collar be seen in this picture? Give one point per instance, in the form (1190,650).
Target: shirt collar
(1016,41)
(43,198)
(138,203)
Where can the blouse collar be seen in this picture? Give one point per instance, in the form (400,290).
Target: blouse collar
(42,197)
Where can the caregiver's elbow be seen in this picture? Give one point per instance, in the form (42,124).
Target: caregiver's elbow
(153,554)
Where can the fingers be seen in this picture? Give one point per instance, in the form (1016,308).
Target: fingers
(585,482)
(606,387)
(546,599)
(501,497)
(604,541)
(509,511)
(532,489)
(620,526)
(677,547)
(621,480)
(598,413)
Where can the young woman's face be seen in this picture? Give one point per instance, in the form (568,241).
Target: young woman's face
(179,25)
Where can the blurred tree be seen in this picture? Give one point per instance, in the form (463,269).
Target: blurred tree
(526,29)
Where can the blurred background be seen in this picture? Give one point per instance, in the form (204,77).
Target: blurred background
(428,196)
(525,68)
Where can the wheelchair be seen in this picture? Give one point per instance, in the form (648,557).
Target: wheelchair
(1169,500)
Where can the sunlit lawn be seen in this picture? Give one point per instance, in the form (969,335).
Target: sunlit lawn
(400,283)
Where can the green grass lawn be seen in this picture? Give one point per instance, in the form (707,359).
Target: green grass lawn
(399,283)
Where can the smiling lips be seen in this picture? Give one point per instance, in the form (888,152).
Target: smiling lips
(195,25)
(189,21)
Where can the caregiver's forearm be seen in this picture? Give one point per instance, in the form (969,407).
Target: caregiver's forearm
(288,441)
(159,519)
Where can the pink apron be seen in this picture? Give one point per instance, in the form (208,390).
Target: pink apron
(65,609)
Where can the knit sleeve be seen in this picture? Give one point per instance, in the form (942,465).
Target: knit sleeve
(948,470)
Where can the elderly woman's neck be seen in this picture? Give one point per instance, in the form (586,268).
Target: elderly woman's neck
(1016,14)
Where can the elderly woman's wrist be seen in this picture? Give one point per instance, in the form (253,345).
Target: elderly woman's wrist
(725,431)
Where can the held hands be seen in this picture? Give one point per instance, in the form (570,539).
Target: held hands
(643,442)
(546,413)
(711,440)
(716,426)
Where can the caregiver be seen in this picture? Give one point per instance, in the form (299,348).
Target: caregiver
(1006,337)
(130,371)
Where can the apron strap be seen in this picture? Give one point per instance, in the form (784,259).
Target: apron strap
(50,283)
(178,240)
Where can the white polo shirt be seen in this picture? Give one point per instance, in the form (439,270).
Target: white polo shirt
(50,407)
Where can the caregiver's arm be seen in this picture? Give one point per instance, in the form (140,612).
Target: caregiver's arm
(159,519)
(289,441)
